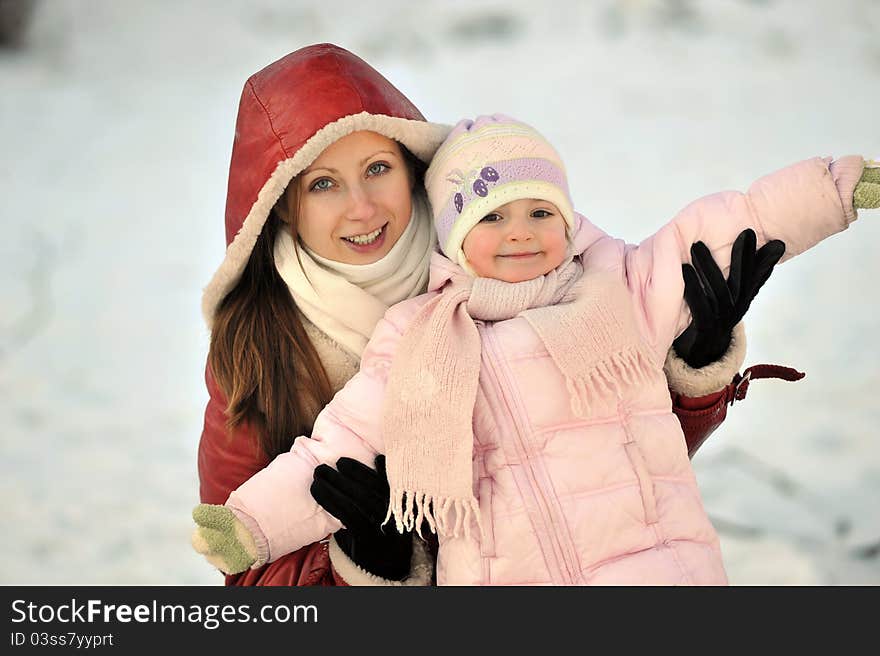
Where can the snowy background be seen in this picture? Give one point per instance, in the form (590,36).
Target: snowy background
(116,125)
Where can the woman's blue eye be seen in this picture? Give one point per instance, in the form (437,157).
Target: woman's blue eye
(322,184)
(377,168)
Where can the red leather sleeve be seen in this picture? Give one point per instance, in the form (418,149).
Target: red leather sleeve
(699,416)
(307,566)
(225,461)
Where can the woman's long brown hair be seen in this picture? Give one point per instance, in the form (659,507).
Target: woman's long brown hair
(260,354)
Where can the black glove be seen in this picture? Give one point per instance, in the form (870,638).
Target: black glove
(358,497)
(718,305)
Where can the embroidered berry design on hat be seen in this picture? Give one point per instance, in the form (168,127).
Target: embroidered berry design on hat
(480,188)
(489,174)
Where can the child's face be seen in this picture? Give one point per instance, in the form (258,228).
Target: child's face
(518,241)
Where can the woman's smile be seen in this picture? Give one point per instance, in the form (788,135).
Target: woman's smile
(368,242)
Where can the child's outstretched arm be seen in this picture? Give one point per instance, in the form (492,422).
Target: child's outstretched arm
(274,513)
(799,205)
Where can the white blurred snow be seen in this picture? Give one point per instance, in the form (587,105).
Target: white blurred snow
(116,125)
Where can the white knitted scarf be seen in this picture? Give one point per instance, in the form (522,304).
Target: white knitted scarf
(346,301)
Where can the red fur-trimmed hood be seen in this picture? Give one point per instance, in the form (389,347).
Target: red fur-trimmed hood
(289,113)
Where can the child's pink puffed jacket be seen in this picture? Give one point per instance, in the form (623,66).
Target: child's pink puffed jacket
(610,499)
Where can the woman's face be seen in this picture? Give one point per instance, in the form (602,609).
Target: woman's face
(355,199)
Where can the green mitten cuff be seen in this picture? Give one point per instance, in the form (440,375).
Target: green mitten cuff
(223,539)
(867,192)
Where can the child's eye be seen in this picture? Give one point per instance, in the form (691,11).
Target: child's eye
(541,214)
(490,218)
(377,168)
(321,184)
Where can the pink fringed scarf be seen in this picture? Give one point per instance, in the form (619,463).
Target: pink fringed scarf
(587,326)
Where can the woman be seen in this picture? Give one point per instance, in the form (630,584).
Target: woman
(329,155)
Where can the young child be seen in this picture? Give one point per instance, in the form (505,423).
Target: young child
(522,403)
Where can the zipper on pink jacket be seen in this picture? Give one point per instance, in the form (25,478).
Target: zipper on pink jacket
(565,568)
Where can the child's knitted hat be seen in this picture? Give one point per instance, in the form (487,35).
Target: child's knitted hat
(484,164)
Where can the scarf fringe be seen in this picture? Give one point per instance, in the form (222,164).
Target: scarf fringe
(445,516)
(622,370)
